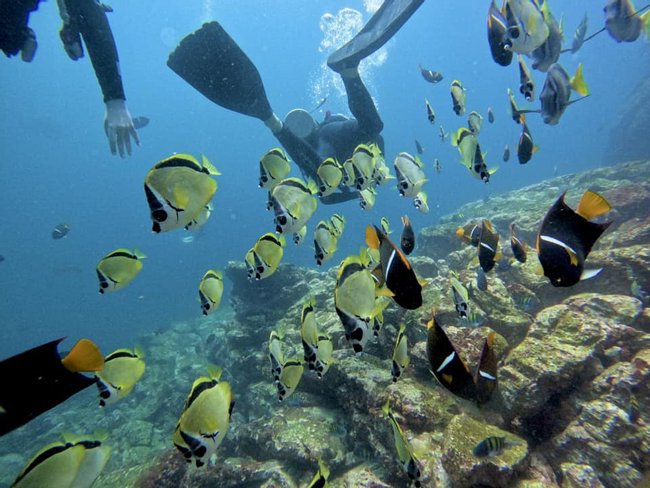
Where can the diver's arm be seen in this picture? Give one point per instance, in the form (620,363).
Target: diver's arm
(301,152)
(360,103)
(89,17)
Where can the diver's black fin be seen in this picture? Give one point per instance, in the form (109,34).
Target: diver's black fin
(380,28)
(212,62)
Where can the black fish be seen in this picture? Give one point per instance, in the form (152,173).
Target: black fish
(396,271)
(430,76)
(453,373)
(506,154)
(490,115)
(431,114)
(418,147)
(488,246)
(407,240)
(489,446)
(60,231)
(566,237)
(481,279)
(518,247)
(498,36)
(471,232)
(525,146)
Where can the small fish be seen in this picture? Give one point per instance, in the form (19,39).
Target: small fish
(579,35)
(299,235)
(405,455)
(263,259)
(418,147)
(442,134)
(556,92)
(430,76)
(518,248)
(474,122)
(60,231)
(458,97)
(400,354)
(500,45)
(489,446)
(421,202)
(490,115)
(330,174)
(118,268)
(367,198)
(77,461)
(274,167)
(275,355)
(205,419)
(177,189)
(437,167)
(348,173)
(363,164)
(460,296)
(410,174)
(566,237)
(481,279)
(323,355)
(525,146)
(292,371)
(471,156)
(431,114)
(325,242)
(320,478)
(122,370)
(488,246)
(337,223)
(293,204)
(309,333)
(526,27)
(407,239)
(506,154)
(210,291)
(622,22)
(526,83)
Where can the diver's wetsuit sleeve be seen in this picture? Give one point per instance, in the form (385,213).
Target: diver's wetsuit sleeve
(14,17)
(301,152)
(91,21)
(362,107)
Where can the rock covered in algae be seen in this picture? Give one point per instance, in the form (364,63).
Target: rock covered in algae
(579,476)
(564,346)
(465,470)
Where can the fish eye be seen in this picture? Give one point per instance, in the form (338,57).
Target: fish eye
(282,220)
(264,179)
(159,215)
(514,33)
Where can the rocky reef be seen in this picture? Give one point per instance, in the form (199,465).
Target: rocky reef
(574,370)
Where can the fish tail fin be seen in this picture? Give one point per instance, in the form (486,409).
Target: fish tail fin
(512,229)
(385,408)
(208,167)
(592,205)
(578,82)
(372,239)
(405,220)
(84,356)
(139,254)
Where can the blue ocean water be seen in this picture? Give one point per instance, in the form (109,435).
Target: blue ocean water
(56,166)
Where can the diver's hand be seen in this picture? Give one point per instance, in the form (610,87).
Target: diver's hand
(119,127)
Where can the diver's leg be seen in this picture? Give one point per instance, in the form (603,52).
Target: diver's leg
(361,104)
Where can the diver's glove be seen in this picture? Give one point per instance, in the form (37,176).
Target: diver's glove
(119,127)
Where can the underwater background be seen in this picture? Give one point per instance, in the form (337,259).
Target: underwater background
(56,168)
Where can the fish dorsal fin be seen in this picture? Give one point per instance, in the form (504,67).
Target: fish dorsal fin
(138,254)
(208,167)
(84,356)
(372,239)
(592,205)
(214,372)
(578,82)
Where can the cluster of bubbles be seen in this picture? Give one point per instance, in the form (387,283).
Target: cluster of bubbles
(338,29)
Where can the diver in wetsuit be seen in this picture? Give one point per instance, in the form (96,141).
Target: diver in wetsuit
(212,62)
(81,19)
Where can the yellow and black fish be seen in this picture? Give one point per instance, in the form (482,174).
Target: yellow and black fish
(518,248)
(400,354)
(38,379)
(325,242)
(367,199)
(405,455)
(410,174)
(210,291)
(471,156)
(475,122)
(205,418)
(489,446)
(470,232)
(430,76)
(275,355)
(309,333)
(293,204)
(395,270)
(122,370)
(363,164)
(330,174)
(458,97)
(292,370)
(320,478)
(74,463)
(178,189)
(274,167)
(431,114)
(566,237)
(118,268)
(421,202)
(498,36)
(323,355)
(407,239)
(337,223)
(263,259)
(299,235)
(460,296)
(488,246)
(60,231)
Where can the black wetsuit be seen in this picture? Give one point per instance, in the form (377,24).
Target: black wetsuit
(88,18)
(337,137)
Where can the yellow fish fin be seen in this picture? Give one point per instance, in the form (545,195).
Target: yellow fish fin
(208,166)
(84,356)
(592,205)
(312,186)
(139,351)
(578,82)
(572,256)
(385,408)
(214,372)
(138,254)
(372,239)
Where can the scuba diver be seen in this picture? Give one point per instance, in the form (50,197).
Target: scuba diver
(81,19)
(212,62)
